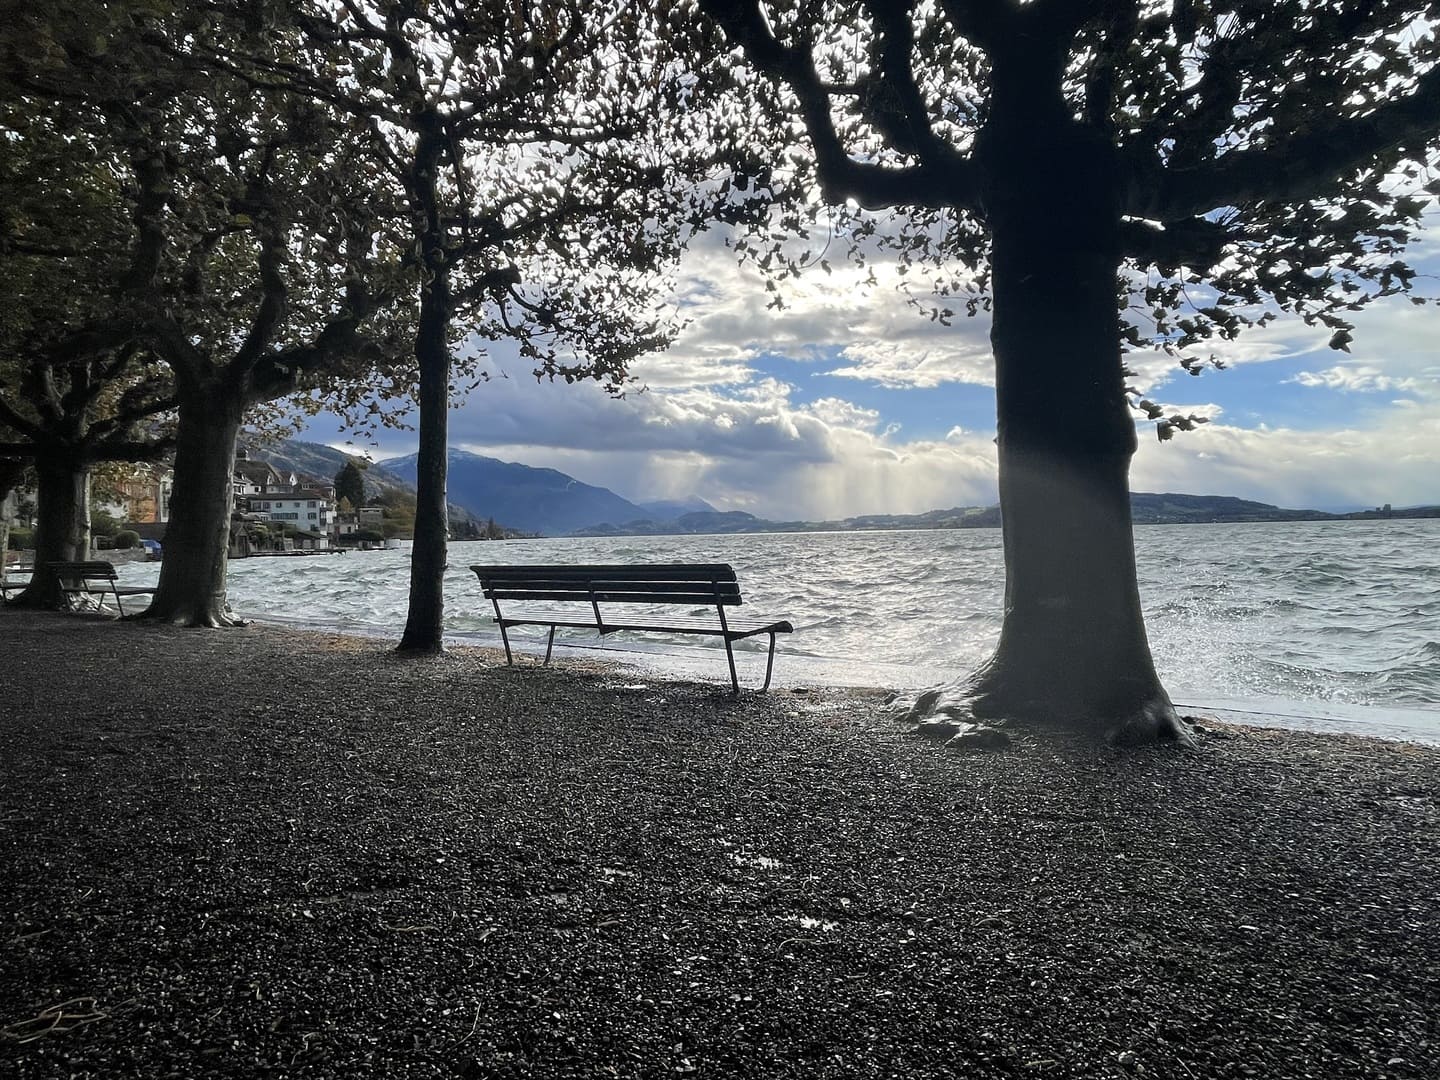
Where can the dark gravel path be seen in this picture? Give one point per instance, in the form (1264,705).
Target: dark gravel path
(262,852)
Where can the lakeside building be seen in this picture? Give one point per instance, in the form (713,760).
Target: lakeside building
(143,497)
(265,494)
(252,478)
(272,510)
(368,521)
(304,508)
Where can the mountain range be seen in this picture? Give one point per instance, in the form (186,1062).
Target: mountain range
(551,503)
(544,501)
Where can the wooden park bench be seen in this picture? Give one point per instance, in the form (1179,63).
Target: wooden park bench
(677,584)
(93,579)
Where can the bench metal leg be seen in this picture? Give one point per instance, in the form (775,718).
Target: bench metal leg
(506,639)
(550,643)
(769,663)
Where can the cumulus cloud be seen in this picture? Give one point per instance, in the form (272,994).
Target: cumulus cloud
(1356,378)
(1154,368)
(1391,459)
(840,413)
(879,335)
(896,367)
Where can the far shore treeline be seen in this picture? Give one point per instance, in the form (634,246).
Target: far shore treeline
(217,218)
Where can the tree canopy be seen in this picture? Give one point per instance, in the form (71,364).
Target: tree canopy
(78,382)
(255,264)
(74,370)
(1260,157)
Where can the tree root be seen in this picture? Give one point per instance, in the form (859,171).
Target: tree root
(419,652)
(977,713)
(205,619)
(34,599)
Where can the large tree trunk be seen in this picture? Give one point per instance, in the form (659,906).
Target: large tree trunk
(62,526)
(191,590)
(1072,650)
(424,622)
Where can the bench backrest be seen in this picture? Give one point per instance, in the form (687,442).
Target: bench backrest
(86,570)
(661,583)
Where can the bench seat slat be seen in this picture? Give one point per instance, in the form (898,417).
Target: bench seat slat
(582,588)
(705,572)
(617,596)
(663,624)
(82,569)
(125,590)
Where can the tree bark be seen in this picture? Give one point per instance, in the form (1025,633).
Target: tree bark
(191,590)
(1073,650)
(424,624)
(62,523)
(10,473)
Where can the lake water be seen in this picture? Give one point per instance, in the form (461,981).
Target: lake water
(1336,621)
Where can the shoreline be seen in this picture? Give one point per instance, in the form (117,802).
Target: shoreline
(1247,651)
(671,662)
(270,851)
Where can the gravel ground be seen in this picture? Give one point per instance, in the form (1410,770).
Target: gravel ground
(266,852)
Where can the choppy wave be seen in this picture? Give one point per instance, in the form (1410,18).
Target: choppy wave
(1341,612)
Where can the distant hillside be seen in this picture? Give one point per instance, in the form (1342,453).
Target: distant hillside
(322,463)
(737,521)
(542,501)
(1172,509)
(1147,508)
(670,509)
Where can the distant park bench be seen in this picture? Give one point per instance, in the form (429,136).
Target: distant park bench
(687,584)
(93,579)
(7,586)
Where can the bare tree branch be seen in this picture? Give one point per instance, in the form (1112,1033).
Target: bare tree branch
(1192,242)
(985,23)
(1307,165)
(942,180)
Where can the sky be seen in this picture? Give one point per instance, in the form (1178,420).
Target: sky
(849,401)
